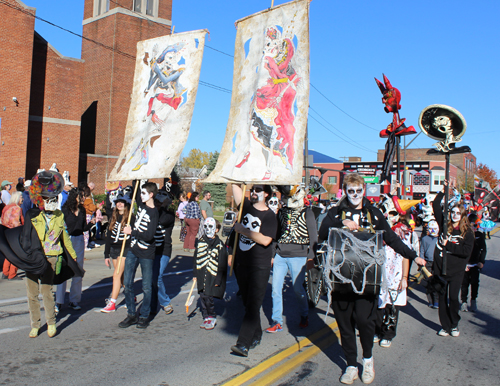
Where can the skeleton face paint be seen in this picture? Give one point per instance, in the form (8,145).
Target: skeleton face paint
(257,194)
(355,194)
(144,195)
(456,215)
(273,204)
(50,204)
(252,223)
(209,227)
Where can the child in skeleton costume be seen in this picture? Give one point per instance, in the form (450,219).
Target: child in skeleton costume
(252,261)
(393,292)
(297,241)
(354,211)
(210,270)
(43,249)
(142,251)
(114,242)
(458,246)
(427,247)
(474,267)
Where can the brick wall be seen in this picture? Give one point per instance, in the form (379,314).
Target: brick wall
(108,79)
(54,130)
(16,40)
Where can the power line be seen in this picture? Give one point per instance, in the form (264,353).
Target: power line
(350,116)
(338,130)
(353,144)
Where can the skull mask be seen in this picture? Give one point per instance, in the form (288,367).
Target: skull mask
(273,204)
(209,226)
(252,223)
(50,203)
(355,194)
(294,196)
(433,228)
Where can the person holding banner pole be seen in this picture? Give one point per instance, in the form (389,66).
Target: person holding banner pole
(252,260)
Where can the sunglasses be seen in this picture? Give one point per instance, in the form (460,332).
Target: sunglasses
(352,191)
(257,190)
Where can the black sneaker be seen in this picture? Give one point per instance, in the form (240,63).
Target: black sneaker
(255,343)
(240,350)
(128,321)
(143,323)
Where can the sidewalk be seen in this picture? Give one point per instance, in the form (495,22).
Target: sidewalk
(14,291)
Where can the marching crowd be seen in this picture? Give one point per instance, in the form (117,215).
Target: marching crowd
(46,235)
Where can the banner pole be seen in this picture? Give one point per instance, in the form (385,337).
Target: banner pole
(120,258)
(236,234)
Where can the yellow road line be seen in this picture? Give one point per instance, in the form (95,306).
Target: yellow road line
(268,363)
(297,360)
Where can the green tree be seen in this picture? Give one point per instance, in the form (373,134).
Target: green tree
(196,159)
(218,191)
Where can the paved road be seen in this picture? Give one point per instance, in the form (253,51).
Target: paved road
(91,349)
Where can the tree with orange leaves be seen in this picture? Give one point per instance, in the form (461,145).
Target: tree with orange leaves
(487,174)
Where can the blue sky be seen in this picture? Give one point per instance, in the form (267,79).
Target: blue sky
(443,52)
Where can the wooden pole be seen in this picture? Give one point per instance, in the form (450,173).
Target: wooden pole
(243,191)
(120,258)
(189,296)
(272,3)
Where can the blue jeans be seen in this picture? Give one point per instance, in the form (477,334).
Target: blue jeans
(297,268)
(131,263)
(159,292)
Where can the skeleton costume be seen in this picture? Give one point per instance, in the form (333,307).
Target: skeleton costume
(352,309)
(458,251)
(210,268)
(297,241)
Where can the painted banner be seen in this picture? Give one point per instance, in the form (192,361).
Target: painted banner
(270,100)
(167,72)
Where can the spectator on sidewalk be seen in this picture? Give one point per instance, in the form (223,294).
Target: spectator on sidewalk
(76,225)
(12,217)
(5,195)
(193,217)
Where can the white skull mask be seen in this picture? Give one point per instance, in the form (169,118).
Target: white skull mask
(355,194)
(112,196)
(50,203)
(273,204)
(252,223)
(296,198)
(209,226)
(433,228)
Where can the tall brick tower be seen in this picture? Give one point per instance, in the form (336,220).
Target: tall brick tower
(108,75)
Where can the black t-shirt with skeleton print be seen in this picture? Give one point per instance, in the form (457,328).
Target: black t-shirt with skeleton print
(143,233)
(249,252)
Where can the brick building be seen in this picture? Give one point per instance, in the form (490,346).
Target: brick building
(71,111)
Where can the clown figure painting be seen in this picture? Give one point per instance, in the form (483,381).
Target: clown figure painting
(165,85)
(267,123)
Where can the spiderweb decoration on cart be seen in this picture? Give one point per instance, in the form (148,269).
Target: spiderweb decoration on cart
(354,262)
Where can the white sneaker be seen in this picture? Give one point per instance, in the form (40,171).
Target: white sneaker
(350,375)
(368,374)
(212,322)
(454,332)
(385,343)
(464,307)
(443,333)
(376,338)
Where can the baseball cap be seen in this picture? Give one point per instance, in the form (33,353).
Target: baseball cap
(5,183)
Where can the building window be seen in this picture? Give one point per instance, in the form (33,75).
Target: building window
(137,6)
(332,180)
(438,180)
(148,7)
(100,7)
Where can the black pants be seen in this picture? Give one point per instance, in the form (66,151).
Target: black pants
(351,311)
(432,295)
(449,304)
(387,322)
(207,306)
(471,277)
(253,284)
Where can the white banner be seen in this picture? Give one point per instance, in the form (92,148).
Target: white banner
(267,122)
(166,78)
